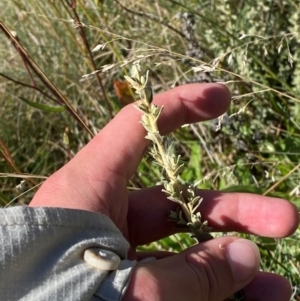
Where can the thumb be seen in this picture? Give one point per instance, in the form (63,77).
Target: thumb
(213,270)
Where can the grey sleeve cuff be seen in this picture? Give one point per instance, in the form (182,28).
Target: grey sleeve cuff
(115,283)
(41,255)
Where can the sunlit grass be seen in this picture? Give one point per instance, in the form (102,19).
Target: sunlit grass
(251,47)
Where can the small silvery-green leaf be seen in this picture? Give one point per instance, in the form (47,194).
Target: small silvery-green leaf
(157,111)
(144,78)
(145,119)
(194,200)
(135,71)
(178,170)
(149,137)
(134,83)
(169,187)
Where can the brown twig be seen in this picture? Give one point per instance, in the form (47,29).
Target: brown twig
(42,76)
(152,18)
(72,4)
(4,151)
(31,87)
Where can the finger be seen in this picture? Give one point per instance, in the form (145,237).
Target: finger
(268,286)
(122,142)
(213,270)
(242,212)
(102,168)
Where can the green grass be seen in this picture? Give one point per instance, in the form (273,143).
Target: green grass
(250,45)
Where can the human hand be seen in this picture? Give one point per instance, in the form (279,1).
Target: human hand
(96,180)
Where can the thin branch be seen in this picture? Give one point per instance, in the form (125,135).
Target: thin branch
(281,180)
(78,22)
(31,87)
(42,76)
(4,151)
(152,18)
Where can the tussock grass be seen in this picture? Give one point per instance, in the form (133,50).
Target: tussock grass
(251,46)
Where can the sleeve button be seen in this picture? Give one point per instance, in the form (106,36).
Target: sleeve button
(102,259)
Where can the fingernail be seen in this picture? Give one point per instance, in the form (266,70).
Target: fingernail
(244,259)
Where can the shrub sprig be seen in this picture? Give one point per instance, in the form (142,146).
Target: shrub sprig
(185,196)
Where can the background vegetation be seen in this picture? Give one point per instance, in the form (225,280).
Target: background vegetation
(52,102)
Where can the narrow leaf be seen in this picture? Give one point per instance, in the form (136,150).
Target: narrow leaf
(43,107)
